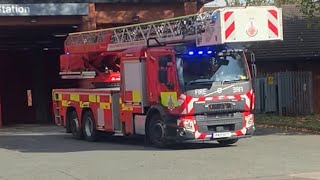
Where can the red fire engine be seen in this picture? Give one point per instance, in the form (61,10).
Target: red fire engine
(174,80)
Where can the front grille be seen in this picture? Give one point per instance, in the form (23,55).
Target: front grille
(219,107)
(229,122)
(216,120)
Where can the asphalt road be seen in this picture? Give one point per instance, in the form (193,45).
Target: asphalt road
(46,153)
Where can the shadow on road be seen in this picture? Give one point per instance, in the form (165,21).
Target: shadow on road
(50,139)
(66,143)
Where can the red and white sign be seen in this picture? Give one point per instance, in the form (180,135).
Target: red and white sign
(272,23)
(229,22)
(245,24)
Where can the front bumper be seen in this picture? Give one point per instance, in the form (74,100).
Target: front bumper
(186,136)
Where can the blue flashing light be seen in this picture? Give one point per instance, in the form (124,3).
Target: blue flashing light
(200,52)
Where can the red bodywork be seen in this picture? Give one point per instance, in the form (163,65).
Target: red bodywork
(132,106)
(129,88)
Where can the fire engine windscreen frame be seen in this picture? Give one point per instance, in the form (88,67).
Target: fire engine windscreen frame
(202,70)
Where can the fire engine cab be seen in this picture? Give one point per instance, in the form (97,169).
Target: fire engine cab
(174,80)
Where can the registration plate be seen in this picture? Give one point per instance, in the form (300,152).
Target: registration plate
(222,135)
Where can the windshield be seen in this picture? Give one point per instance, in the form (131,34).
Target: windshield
(208,69)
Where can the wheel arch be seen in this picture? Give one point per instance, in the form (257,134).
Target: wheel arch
(153,110)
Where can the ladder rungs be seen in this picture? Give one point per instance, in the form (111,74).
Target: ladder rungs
(174,29)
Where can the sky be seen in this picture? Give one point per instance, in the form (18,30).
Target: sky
(216,3)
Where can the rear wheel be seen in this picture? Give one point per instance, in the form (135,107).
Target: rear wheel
(228,142)
(89,127)
(68,123)
(75,129)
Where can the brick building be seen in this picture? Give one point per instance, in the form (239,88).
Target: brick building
(33,31)
(31,39)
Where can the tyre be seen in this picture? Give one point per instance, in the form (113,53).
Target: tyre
(89,127)
(73,121)
(228,141)
(68,126)
(156,132)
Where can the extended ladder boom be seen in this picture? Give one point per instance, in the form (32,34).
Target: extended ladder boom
(223,25)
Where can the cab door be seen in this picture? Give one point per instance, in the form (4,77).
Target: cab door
(162,78)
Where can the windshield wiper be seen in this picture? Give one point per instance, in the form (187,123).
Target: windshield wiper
(200,82)
(233,81)
(211,81)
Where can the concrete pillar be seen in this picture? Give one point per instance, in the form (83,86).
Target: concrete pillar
(40,91)
(89,22)
(190,7)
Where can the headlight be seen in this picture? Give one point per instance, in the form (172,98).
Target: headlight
(188,125)
(249,120)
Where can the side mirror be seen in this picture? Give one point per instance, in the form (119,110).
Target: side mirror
(164,62)
(252,58)
(224,62)
(251,61)
(254,70)
(253,65)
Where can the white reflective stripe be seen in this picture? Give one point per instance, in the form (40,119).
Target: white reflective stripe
(244,131)
(247,100)
(190,105)
(227,25)
(182,96)
(221,97)
(178,122)
(180,102)
(197,134)
(230,97)
(209,94)
(274,21)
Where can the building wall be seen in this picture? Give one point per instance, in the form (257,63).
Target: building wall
(16,73)
(109,14)
(104,15)
(39,71)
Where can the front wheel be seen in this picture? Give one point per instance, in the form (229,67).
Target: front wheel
(89,127)
(156,132)
(228,141)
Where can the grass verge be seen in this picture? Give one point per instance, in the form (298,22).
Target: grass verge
(310,123)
